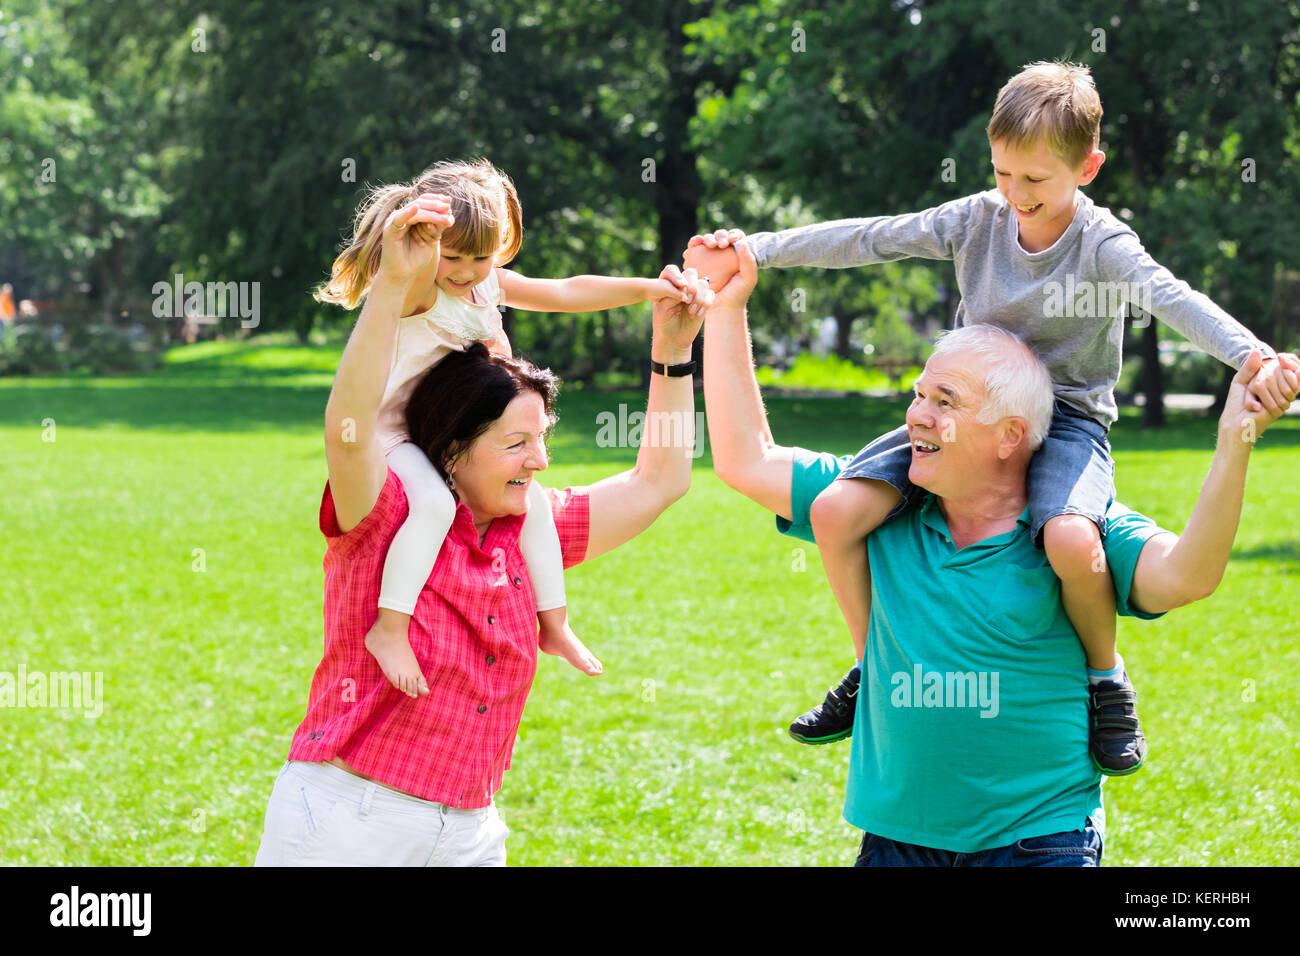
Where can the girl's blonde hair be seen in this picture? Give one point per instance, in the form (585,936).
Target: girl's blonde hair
(489,222)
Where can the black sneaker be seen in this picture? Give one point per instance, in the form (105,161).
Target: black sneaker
(832,719)
(1115,736)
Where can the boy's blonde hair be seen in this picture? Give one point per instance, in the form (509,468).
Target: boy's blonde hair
(489,222)
(1054,102)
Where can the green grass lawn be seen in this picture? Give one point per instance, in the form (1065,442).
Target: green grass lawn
(711,635)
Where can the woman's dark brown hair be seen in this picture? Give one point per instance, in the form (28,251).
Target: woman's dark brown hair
(459,399)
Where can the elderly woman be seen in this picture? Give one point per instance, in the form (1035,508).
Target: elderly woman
(376,777)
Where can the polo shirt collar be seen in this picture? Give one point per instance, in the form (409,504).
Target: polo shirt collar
(932,517)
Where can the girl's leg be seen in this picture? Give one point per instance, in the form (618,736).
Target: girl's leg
(540,544)
(410,561)
(864,496)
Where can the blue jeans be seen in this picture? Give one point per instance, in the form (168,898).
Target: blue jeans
(1071,848)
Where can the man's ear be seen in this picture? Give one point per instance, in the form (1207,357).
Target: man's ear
(1091,166)
(1013,434)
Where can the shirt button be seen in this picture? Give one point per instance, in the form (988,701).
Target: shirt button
(518,581)
(491,619)
(491,659)
(482,708)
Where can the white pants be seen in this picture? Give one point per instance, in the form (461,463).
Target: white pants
(320,815)
(432,508)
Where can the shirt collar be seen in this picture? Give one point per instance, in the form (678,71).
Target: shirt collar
(932,517)
(463,525)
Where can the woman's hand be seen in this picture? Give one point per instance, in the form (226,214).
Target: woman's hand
(677,320)
(412,236)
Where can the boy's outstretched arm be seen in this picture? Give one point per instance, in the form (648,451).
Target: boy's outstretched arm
(1174,570)
(934,233)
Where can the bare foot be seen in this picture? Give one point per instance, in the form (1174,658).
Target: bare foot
(562,642)
(390,645)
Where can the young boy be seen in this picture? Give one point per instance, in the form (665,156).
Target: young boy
(1037,258)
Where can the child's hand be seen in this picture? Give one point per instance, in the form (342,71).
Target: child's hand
(667,286)
(412,236)
(1274,385)
(718,239)
(717,265)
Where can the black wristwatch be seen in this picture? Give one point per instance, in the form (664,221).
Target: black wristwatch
(673,371)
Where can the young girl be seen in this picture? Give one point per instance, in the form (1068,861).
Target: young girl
(453,302)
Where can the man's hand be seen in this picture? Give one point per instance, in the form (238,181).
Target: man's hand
(1268,389)
(1244,416)
(735,293)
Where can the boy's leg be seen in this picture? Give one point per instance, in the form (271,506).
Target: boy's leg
(1071,486)
(1073,546)
(869,492)
(842,517)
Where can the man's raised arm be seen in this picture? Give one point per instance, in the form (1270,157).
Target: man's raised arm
(1174,570)
(745,456)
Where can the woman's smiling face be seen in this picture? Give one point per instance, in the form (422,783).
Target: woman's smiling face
(493,475)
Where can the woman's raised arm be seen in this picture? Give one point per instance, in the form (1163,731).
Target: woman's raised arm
(626,504)
(356,461)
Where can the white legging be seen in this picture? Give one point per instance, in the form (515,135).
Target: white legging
(415,547)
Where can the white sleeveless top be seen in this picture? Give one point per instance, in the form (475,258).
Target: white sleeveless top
(453,324)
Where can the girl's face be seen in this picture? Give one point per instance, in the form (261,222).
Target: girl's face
(458,273)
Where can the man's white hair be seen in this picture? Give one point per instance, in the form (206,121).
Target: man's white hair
(1016,382)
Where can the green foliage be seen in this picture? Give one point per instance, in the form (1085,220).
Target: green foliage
(831,372)
(232,141)
(98,348)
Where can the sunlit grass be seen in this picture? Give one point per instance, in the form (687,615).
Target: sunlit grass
(167,538)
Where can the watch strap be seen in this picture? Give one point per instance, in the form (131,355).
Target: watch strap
(673,371)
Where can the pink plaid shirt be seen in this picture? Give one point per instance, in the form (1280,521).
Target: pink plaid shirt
(474,633)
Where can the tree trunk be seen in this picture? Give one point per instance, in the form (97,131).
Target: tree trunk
(843,330)
(677,178)
(1153,379)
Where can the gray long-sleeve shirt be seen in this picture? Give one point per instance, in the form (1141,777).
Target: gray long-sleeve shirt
(1065,303)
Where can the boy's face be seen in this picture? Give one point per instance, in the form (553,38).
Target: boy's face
(1040,187)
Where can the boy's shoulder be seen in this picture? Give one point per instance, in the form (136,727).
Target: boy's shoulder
(986,203)
(1100,222)
(973,212)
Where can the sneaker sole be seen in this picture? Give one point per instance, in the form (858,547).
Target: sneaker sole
(1118,773)
(816,741)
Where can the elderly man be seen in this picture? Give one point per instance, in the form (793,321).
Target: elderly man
(970,742)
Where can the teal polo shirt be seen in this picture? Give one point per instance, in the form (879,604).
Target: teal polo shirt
(971,729)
